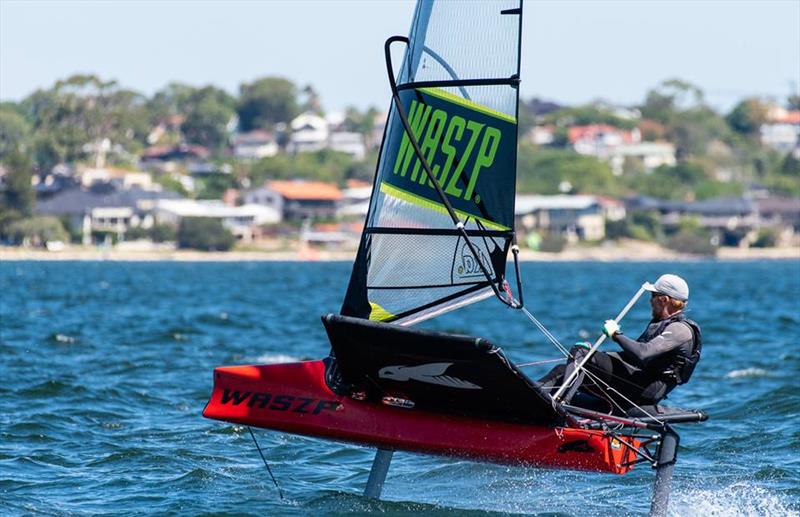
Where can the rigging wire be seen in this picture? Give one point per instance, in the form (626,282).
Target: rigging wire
(534,363)
(591,375)
(280,493)
(546,332)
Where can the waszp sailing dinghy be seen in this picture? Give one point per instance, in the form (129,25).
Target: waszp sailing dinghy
(437,236)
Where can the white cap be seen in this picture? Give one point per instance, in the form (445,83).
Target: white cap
(671,285)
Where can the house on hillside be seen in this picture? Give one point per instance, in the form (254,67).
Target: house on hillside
(298,199)
(650,154)
(780,212)
(781,131)
(255,145)
(103,209)
(612,209)
(617,146)
(348,142)
(574,217)
(124,179)
(542,135)
(167,157)
(732,221)
(309,132)
(355,200)
(600,139)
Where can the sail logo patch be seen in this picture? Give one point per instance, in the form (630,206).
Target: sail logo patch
(469,267)
(431,373)
(438,134)
(471,151)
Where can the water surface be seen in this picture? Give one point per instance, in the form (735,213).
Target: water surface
(107,367)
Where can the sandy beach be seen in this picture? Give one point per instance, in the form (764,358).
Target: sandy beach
(634,251)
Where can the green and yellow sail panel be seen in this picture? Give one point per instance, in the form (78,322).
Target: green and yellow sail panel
(457,90)
(468,147)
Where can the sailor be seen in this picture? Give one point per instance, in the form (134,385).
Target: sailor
(648,367)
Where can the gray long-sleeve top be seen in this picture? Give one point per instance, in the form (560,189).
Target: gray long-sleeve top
(675,335)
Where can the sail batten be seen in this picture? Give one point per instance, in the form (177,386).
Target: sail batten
(448,153)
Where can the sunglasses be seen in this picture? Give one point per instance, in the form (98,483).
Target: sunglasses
(653,296)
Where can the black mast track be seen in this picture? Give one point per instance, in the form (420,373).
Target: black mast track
(434,181)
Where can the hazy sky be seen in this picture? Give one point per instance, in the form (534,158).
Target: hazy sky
(573,51)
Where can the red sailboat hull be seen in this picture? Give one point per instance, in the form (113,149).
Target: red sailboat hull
(295,398)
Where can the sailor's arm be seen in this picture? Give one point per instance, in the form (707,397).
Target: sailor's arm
(673,336)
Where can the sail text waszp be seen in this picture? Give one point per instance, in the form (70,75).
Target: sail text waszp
(437,132)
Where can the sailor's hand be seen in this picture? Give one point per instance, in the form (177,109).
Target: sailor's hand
(611,327)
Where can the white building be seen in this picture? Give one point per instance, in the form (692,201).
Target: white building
(309,132)
(125,179)
(348,142)
(254,145)
(242,221)
(355,200)
(574,217)
(600,139)
(651,155)
(542,135)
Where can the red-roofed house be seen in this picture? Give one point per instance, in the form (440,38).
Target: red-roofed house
(298,199)
(599,139)
(782,130)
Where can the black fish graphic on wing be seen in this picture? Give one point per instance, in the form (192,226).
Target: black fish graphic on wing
(432,373)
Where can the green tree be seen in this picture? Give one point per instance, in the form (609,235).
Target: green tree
(204,233)
(669,182)
(173,99)
(85,109)
(47,153)
(325,165)
(210,112)
(266,102)
(14,129)
(692,131)
(585,115)
(543,170)
(747,116)
(767,238)
(785,179)
(669,97)
(163,233)
(360,122)
(18,193)
(212,186)
(692,239)
(38,230)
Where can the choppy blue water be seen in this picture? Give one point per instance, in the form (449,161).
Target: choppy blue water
(106,368)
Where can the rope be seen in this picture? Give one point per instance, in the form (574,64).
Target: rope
(546,332)
(280,493)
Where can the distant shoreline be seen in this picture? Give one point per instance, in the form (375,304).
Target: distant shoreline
(630,251)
